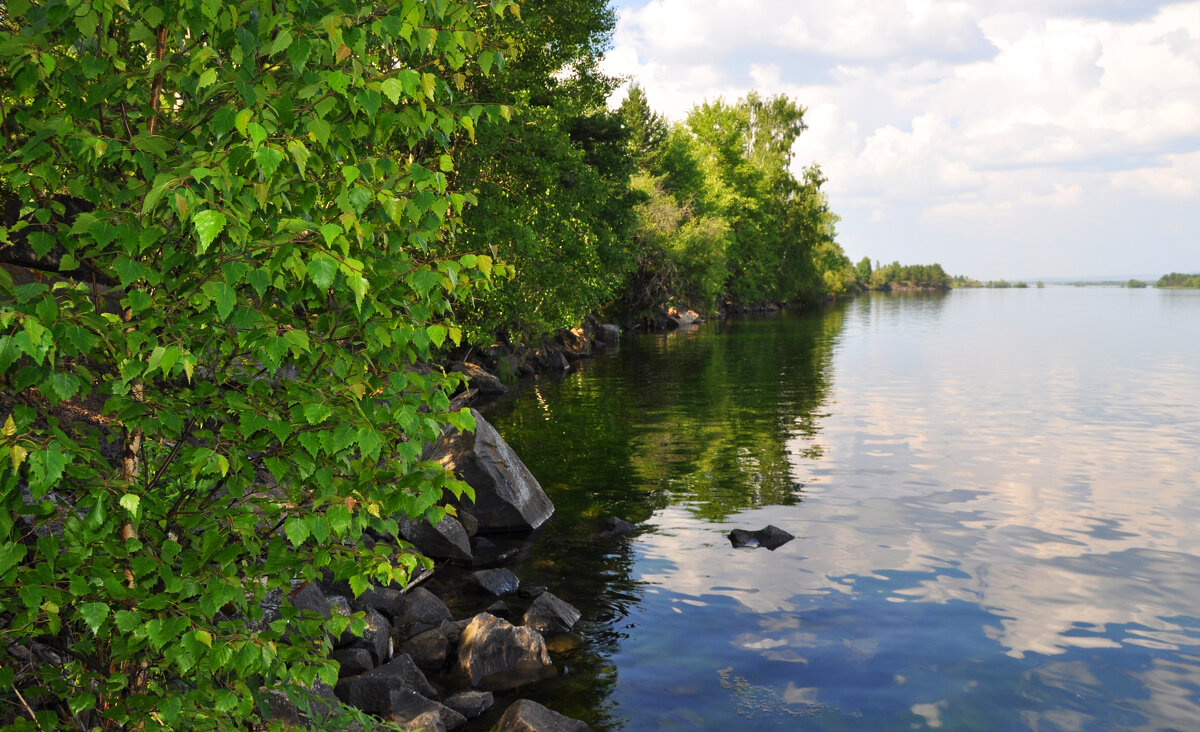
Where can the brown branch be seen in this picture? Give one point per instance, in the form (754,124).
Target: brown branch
(156,88)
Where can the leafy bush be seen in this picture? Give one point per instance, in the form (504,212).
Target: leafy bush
(220,386)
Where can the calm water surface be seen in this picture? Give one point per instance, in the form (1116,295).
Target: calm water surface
(995,493)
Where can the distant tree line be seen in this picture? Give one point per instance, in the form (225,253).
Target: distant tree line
(1178,280)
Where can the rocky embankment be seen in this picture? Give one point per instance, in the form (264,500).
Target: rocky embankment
(418,666)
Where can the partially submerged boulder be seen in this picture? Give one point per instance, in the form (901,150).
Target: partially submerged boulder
(496,581)
(548,615)
(507,496)
(529,716)
(470,704)
(496,655)
(770,537)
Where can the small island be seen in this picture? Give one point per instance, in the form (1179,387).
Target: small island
(1178,281)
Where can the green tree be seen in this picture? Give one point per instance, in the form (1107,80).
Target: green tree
(223,382)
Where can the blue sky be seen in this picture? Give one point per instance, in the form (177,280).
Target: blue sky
(1001,138)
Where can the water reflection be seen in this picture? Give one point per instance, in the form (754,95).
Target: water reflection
(994,494)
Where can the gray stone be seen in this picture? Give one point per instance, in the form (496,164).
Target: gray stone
(471,704)
(507,496)
(428,650)
(480,379)
(528,716)
(275,706)
(447,540)
(469,523)
(548,615)
(420,611)
(369,692)
(427,722)
(406,706)
(770,537)
(496,655)
(500,609)
(452,630)
(497,581)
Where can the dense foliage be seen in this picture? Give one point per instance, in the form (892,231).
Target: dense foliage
(918,276)
(222,382)
(724,219)
(1176,279)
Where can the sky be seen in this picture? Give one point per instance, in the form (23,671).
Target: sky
(1015,139)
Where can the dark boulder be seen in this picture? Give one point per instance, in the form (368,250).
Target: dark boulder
(608,334)
(529,716)
(428,650)
(308,596)
(496,581)
(353,661)
(447,540)
(496,655)
(548,615)
(387,600)
(405,707)
(420,611)
(770,537)
(377,636)
(369,692)
(507,496)
(471,704)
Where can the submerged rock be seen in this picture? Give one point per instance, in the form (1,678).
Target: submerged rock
(507,496)
(614,526)
(496,655)
(529,716)
(770,537)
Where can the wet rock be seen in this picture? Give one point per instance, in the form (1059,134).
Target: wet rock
(480,379)
(428,650)
(353,661)
(549,615)
(507,496)
(496,581)
(770,537)
(420,611)
(471,704)
(496,655)
(614,526)
(528,716)
(532,592)
(500,609)
(406,707)
(608,334)
(447,540)
(369,692)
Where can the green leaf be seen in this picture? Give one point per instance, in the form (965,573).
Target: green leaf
(392,89)
(268,159)
(296,531)
(226,298)
(93,614)
(131,503)
(322,269)
(437,334)
(257,133)
(208,78)
(208,225)
(282,41)
(317,413)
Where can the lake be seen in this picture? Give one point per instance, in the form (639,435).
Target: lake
(995,495)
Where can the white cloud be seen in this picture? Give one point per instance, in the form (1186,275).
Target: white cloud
(940,111)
